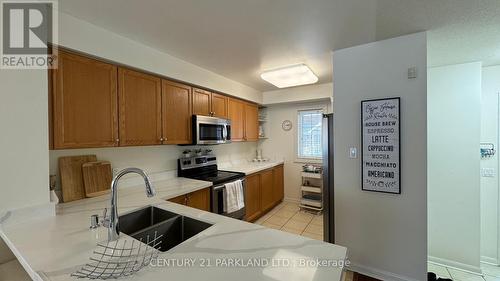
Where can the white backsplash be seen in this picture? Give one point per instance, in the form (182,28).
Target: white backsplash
(160,162)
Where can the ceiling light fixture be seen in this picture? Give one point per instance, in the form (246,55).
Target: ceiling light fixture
(290,76)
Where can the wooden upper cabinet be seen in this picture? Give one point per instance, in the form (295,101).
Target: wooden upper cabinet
(201,102)
(209,104)
(252,197)
(84,100)
(219,105)
(267,184)
(97,104)
(140,108)
(236,112)
(251,122)
(278,185)
(176,113)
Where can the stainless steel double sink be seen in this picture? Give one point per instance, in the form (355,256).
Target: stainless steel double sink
(151,220)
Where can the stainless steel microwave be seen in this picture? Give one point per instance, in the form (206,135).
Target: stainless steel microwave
(211,130)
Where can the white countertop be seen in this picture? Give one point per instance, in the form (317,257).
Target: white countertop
(249,168)
(51,246)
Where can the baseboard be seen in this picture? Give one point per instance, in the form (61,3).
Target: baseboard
(490,261)
(456,265)
(378,274)
(291,200)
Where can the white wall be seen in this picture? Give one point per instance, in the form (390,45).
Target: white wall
(281,144)
(489,185)
(88,38)
(386,235)
(453,118)
(24,168)
(302,94)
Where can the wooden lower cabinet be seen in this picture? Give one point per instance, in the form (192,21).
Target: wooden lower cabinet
(267,186)
(179,200)
(199,199)
(252,197)
(264,190)
(278,184)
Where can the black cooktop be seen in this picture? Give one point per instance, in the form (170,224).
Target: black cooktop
(217,177)
(205,168)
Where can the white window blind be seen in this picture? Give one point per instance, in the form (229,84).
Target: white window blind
(309,134)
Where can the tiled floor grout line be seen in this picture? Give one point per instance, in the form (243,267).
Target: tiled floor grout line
(288,220)
(310,222)
(482,276)
(292,217)
(281,227)
(449,273)
(273,213)
(307,226)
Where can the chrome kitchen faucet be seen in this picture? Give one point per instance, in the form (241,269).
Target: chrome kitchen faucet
(112,224)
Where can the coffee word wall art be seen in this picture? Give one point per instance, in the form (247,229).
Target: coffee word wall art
(380,138)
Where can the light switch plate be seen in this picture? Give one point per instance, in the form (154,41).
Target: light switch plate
(353,152)
(412,73)
(487,172)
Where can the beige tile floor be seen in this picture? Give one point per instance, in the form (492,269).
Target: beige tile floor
(288,217)
(490,273)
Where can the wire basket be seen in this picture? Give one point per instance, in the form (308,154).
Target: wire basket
(120,258)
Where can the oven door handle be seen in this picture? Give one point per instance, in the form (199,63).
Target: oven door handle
(219,187)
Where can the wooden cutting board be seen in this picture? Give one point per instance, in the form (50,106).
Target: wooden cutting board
(97,178)
(70,169)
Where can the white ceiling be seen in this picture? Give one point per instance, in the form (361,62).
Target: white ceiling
(241,38)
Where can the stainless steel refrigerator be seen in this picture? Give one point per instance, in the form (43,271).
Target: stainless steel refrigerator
(328,187)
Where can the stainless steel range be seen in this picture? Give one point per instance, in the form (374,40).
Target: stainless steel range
(205,168)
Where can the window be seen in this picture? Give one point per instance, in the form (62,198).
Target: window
(309,134)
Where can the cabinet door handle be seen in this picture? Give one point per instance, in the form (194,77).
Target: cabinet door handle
(185,200)
(117,140)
